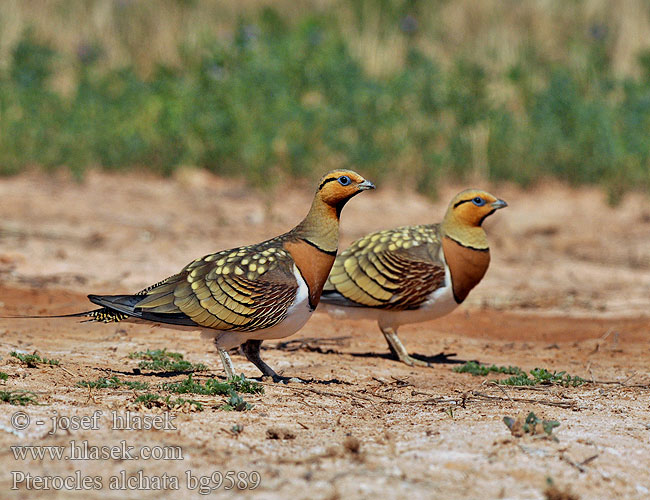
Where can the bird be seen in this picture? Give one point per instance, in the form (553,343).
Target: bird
(412,274)
(251,293)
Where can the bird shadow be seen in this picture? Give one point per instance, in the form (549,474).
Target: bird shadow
(160,374)
(281,379)
(324,346)
(305,381)
(440,358)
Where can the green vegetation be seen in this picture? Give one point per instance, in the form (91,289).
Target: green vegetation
(112,383)
(477,369)
(18,397)
(236,403)
(532,425)
(147,399)
(519,377)
(33,360)
(150,400)
(161,360)
(210,387)
(4,376)
(544,377)
(394,89)
(213,387)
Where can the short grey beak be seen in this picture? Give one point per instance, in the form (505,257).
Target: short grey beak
(366,185)
(499,204)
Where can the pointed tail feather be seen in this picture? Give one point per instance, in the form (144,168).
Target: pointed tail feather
(116,308)
(103,315)
(71,315)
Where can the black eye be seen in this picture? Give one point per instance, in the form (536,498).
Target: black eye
(344,180)
(478,201)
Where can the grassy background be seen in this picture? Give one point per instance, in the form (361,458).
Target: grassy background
(414,91)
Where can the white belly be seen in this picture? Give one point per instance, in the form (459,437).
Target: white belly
(297,315)
(439,303)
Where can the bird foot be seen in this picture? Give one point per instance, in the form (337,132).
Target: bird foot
(411,361)
(279,379)
(399,351)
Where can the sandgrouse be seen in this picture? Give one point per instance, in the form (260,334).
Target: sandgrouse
(248,294)
(413,273)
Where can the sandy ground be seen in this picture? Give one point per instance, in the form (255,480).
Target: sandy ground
(568,290)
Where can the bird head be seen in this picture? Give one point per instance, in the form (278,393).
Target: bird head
(321,225)
(472,206)
(466,213)
(338,186)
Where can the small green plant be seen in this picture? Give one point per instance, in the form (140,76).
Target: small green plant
(241,384)
(147,399)
(112,383)
(536,376)
(151,400)
(213,387)
(18,397)
(162,360)
(531,425)
(179,402)
(3,376)
(477,369)
(236,403)
(541,376)
(556,492)
(33,360)
(236,430)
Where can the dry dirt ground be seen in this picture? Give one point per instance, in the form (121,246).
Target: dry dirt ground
(568,290)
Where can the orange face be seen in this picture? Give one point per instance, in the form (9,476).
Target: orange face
(338,186)
(472,206)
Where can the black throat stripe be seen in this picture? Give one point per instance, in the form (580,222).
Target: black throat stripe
(486,216)
(328,252)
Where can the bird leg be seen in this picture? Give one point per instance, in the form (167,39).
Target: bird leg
(227,363)
(251,349)
(397,348)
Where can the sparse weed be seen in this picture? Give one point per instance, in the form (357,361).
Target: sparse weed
(477,369)
(243,384)
(537,376)
(151,400)
(112,383)
(541,376)
(531,425)
(18,397)
(33,360)
(148,399)
(179,402)
(4,376)
(214,387)
(556,492)
(162,360)
(236,430)
(236,403)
